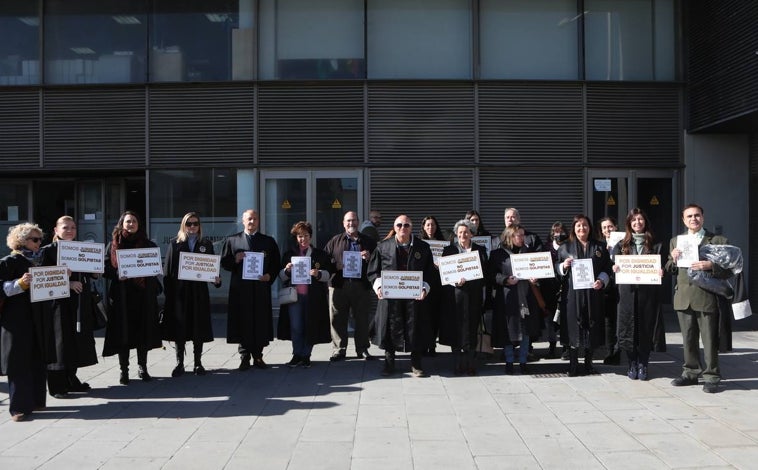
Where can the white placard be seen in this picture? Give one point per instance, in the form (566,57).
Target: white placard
(48,283)
(12,213)
(538,265)
(139,262)
(252,266)
(466,266)
(351,264)
(638,269)
(485,241)
(688,245)
(301,270)
(81,257)
(603,185)
(199,267)
(582,273)
(615,238)
(402,284)
(437,247)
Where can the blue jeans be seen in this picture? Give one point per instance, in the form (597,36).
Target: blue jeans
(523,350)
(298,312)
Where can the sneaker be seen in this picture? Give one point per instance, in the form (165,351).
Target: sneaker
(710,387)
(295,361)
(682,381)
(642,372)
(633,371)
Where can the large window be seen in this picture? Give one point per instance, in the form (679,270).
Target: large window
(629,40)
(19,48)
(304,39)
(419,39)
(202,40)
(529,39)
(91,41)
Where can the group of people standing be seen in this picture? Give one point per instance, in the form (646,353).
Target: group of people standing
(44,343)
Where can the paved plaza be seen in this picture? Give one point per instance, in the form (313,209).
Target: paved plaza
(345,416)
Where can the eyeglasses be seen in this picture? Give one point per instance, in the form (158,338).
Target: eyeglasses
(192,224)
(34,239)
(403,225)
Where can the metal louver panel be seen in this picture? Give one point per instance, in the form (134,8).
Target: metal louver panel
(753,288)
(201,126)
(523,123)
(541,195)
(634,126)
(432,122)
(312,124)
(19,129)
(89,128)
(446,193)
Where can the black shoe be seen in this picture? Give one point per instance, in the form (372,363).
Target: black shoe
(531,357)
(682,381)
(178,370)
(710,387)
(143,375)
(523,368)
(60,395)
(565,354)
(124,378)
(199,369)
(244,364)
(338,355)
(365,355)
(306,363)
(613,359)
(259,364)
(80,387)
(295,361)
(642,372)
(551,353)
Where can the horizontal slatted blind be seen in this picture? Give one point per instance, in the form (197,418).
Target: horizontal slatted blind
(542,196)
(431,122)
(314,124)
(522,123)
(19,129)
(633,126)
(89,128)
(753,287)
(201,126)
(445,193)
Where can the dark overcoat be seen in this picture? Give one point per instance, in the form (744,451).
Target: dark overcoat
(401,325)
(249,320)
(585,309)
(187,312)
(462,307)
(75,348)
(317,323)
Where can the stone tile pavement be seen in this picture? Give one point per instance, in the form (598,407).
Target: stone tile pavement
(345,416)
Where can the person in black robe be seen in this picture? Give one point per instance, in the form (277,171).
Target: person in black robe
(187,311)
(250,321)
(430,230)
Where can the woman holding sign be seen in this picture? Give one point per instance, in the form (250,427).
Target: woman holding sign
(26,344)
(430,230)
(74,319)
(133,315)
(463,302)
(306,321)
(586,265)
(639,308)
(187,313)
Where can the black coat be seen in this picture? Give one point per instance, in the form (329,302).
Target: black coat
(639,310)
(249,321)
(401,325)
(508,327)
(585,309)
(462,307)
(26,328)
(75,348)
(187,312)
(133,311)
(317,322)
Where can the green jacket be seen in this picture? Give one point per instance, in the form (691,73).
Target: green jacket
(688,295)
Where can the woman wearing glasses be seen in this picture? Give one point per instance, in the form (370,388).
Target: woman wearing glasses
(187,313)
(25,327)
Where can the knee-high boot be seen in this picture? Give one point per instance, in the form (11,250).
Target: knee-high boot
(179,369)
(197,350)
(142,365)
(123,362)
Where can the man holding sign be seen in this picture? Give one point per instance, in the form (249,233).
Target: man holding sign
(249,320)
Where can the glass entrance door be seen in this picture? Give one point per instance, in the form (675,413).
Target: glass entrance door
(320,197)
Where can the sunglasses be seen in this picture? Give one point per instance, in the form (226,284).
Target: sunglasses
(403,225)
(34,239)
(192,224)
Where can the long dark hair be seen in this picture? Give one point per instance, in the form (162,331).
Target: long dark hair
(577,218)
(480,230)
(120,226)
(627,242)
(437,233)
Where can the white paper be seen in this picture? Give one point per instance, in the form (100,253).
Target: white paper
(81,257)
(688,245)
(466,266)
(538,265)
(437,246)
(48,283)
(139,262)
(485,241)
(351,264)
(402,284)
(199,267)
(582,273)
(615,238)
(638,269)
(252,266)
(301,270)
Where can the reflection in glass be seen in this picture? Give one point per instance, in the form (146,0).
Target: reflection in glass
(334,197)
(285,205)
(209,192)
(90,41)
(19,49)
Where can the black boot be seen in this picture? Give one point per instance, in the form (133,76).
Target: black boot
(416,369)
(389,363)
(588,369)
(179,369)
(551,351)
(198,353)
(123,362)
(573,362)
(142,366)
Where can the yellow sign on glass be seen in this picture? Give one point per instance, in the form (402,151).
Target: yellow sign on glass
(286,204)
(611,201)
(336,204)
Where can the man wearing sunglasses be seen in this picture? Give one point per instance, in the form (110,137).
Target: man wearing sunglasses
(401,324)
